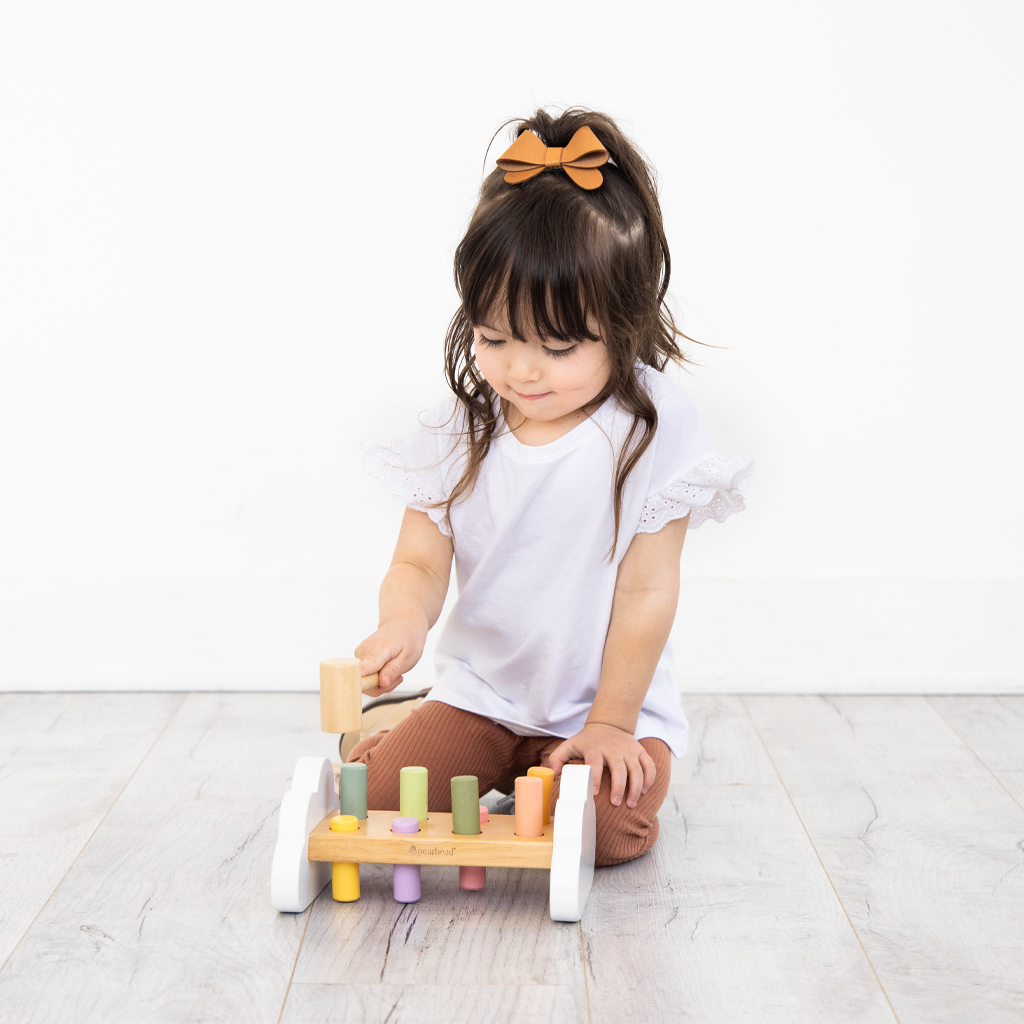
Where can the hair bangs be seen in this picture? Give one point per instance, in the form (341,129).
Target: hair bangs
(533,278)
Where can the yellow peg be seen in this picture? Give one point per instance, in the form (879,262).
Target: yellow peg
(344,874)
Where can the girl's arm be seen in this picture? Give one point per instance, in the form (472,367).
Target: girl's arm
(411,598)
(643,609)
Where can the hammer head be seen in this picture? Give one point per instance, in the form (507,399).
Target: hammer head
(341,694)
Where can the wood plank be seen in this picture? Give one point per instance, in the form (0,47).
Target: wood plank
(233,746)
(724,747)
(433,1004)
(450,937)
(924,847)
(497,845)
(728,918)
(166,914)
(993,727)
(65,757)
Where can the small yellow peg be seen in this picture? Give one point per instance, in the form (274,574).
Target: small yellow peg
(345,874)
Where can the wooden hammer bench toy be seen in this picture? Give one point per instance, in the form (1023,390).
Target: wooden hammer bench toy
(324,833)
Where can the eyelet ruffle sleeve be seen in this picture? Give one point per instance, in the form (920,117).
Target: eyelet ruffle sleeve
(417,487)
(418,469)
(709,490)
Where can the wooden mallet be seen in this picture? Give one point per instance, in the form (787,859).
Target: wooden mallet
(341,694)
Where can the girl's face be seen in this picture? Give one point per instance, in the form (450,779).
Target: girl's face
(545,380)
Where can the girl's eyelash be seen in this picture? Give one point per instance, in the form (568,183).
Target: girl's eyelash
(558,353)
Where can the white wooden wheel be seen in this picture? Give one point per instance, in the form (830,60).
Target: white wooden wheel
(295,880)
(573,844)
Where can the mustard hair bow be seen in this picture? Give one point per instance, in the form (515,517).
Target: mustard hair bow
(528,156)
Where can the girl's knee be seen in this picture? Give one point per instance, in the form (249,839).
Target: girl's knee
(624,837)
(625,833)
(363,747)
(445,740)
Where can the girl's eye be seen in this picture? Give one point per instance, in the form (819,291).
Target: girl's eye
(560,353)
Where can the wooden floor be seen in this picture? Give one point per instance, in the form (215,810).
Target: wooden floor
(820,859)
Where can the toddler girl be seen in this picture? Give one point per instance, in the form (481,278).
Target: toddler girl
(561,475)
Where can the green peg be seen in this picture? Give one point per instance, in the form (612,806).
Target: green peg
(352,789)
(465,805)
(412,789)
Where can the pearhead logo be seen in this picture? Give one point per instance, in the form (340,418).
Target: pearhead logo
(430,851)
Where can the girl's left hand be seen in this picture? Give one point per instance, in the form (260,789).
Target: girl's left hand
(627,760)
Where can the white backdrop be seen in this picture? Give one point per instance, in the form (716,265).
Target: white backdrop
(226,232)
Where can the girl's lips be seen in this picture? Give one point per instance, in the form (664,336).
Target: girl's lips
(533,397)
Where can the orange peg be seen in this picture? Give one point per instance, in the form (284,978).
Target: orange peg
(529,806)
(547,776)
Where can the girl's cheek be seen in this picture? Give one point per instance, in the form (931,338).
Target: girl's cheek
(486,368)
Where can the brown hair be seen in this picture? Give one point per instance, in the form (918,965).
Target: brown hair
(553,254)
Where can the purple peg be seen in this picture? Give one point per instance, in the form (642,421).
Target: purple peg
(406,876)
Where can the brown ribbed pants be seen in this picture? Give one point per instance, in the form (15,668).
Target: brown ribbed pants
(448,741)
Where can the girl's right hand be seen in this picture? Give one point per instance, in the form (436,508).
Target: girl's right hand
(393,649)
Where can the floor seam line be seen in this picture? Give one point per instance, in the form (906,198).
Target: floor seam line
(99,824)
(295,962)
(583,958)
(824,869)
(952,728)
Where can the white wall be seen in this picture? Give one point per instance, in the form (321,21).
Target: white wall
(226,233)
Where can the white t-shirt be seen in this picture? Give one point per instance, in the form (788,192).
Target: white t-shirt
(524,642)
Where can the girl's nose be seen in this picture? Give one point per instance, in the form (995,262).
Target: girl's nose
(524,364)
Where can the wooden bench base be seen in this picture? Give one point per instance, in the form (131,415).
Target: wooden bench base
(306,847)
